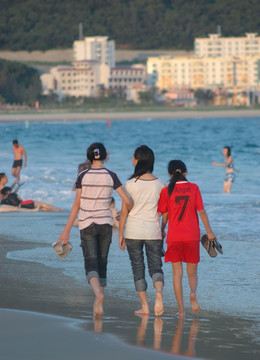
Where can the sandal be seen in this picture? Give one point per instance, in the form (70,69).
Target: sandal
(62,250)
(209,246)
(217,246)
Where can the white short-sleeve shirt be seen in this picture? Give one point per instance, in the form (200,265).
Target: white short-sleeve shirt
(143,222)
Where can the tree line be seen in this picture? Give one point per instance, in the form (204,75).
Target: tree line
(135,24)
(18,83)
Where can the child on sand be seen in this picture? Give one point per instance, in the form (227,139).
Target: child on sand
(94,192)
(142,228)
(182,200)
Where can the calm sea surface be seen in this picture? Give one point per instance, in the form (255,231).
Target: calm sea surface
(230,282)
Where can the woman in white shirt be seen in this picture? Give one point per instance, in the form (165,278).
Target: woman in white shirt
(142,228)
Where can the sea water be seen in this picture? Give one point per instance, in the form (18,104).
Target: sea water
(228,283)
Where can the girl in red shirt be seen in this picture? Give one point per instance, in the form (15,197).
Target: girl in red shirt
(182,201)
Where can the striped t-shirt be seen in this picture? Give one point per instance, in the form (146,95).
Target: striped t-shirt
(97,186)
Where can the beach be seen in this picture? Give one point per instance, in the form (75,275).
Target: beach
(50,317)
(112,115)
(46,302)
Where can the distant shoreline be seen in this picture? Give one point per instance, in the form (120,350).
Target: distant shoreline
(124,115)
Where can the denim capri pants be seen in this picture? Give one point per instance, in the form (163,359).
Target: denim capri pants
(153,249)
(95,243)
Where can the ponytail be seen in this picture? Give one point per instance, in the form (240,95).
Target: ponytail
(96,151)
(145,157)
(176,168)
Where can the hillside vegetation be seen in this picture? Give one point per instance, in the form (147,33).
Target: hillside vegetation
(134,24)
(18,83)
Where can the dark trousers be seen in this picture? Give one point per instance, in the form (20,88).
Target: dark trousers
(95,243)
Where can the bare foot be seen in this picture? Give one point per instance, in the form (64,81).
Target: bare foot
(98,306)
(195,308)
(180,314)
(143,311)
(158,306)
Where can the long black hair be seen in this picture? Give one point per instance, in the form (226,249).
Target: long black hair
(176,168)
(145,161)
(228,150)
(96,151)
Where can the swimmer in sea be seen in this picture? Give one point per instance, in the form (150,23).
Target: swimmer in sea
(230,169)
(19,153)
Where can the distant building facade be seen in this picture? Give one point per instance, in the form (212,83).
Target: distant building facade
(123,78)
(89,77)
(217,46)
(95,48)
(168,73)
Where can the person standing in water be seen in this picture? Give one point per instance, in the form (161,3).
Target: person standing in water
(230,169)
(19,153)
(94,193)
(182,201)
(142,228)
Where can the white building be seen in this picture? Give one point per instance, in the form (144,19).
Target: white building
(217,46)
(95,48)
(87,78)
(83,78)
(123,78)
(169,73)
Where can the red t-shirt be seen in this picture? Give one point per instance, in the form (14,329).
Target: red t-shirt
(182,207)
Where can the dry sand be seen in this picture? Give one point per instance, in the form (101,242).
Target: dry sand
(87,116)
(55,56)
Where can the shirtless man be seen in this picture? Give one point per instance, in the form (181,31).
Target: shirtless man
(19,153)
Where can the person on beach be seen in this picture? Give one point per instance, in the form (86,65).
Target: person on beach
(9,208)
(182,201)
(4,181)
(82,166)
(12,199)
(94,192)
(19,153)
(230,169)
(142,228)
(114,212)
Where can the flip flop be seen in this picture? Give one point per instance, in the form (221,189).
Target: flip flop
(209,246)
(217,246)
(62,250)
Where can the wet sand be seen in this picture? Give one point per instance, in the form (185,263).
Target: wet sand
(112,115)
(50,317)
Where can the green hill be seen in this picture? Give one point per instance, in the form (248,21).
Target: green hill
(18,83)
(135,24)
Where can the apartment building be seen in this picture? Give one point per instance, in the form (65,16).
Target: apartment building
(217,46)
(123,78)
(95,48)
(87,78)
(168,73)
(82,78)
